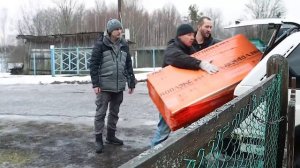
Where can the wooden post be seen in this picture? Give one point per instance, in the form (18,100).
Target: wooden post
(276,65)
(291,125)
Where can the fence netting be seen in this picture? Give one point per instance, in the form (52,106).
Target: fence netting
(252,142)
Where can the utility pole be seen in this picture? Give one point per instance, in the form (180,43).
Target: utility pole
(4,57)
(119,10)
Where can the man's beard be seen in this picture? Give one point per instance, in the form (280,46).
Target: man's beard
(206,35)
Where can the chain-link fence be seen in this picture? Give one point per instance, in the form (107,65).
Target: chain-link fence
(248,131)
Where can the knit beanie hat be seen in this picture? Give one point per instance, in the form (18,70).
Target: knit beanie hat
(184,29)
(113,24)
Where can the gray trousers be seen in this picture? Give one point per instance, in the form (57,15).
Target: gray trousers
(103,99)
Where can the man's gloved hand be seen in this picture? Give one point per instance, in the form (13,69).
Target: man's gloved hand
(208,67)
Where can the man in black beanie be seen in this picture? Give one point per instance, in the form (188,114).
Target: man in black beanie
(178,54)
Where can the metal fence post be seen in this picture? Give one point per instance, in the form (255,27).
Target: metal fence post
(77,60)
(70,60)
(276,65)
(85,59)
(52,60)
(136,59)
(61,64)
(153,58)
(34,64)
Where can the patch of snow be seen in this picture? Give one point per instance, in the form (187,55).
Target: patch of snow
(8,79)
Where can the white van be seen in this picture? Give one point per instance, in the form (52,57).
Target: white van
(284,40)
(281,36)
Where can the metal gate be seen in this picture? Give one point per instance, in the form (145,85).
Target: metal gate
(70,60)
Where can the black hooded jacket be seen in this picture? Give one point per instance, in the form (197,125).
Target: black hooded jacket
(178,55)
(207,42)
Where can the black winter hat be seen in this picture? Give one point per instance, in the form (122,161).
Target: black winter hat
(184,29)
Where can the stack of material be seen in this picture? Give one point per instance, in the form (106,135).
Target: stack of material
(183,96)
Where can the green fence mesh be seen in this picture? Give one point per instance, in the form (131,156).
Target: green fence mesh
(253,141)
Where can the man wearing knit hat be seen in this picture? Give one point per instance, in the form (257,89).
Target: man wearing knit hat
(112,25)
(110,68)
(178,54)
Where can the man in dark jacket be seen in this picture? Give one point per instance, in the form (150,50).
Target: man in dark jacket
(178,54)
(110,68)
(297,147)
(203,38)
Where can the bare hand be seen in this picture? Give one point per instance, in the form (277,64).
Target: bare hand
(97,90)
(130,91)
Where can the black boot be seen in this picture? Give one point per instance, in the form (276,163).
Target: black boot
(99,143)
(112,139)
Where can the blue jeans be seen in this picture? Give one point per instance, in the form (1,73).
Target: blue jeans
(162,132)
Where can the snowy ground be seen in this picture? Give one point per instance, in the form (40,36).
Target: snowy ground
(7,79)
(47,122)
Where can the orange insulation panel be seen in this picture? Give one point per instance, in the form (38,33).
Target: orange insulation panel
(184,96)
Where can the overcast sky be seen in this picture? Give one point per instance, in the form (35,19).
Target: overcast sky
(231,9)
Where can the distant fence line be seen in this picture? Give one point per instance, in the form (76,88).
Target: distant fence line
(147,57)
(76,60)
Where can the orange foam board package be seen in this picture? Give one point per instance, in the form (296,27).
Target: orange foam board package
(183,96)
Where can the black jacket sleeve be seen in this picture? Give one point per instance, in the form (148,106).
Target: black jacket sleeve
(95,62)
(131,81)
(215,41)
(177,58)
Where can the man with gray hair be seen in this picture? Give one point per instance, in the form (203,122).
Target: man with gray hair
(110,69)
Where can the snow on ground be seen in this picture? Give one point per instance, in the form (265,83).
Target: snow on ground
(7,79)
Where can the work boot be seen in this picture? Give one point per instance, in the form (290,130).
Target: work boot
(99,143)
(112,139)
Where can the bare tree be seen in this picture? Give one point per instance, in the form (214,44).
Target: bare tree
(265,8)
(170,20)
(77,19)
(70,16)
(134,17)
(45,22)
(3,19)
(194,15)
(218,26)
(67,11)
(25,23)
(100,15)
